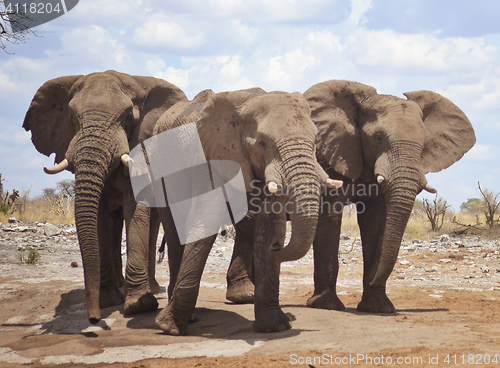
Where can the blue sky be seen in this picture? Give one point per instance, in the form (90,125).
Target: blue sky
(450,47)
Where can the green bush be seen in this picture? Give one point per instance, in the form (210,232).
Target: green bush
(4,207)
(472,205)
(32,258)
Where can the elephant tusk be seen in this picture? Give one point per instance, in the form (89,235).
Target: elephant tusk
(380,179)
(61,166)
(430,188)
(335,184)
(127,160)
(272,186)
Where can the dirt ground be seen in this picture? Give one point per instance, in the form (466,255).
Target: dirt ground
(446,291)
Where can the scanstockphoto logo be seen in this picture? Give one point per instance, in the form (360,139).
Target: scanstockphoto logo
(204,196)
(25,14)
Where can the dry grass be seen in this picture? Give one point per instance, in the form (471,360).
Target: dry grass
(42,209)
(419,226)
(59,211)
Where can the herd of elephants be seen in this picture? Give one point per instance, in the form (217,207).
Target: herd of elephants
(380,147)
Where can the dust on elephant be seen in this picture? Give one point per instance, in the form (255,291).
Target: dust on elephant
(271,137)
(381,146)
(90,122)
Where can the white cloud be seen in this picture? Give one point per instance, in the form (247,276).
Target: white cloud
(100,48)
(154,66)
(264,10)
(483,152)
(359,8)
(419,52)
(283,71)
(231,69)
(179,77)
(167,34)
(8,86)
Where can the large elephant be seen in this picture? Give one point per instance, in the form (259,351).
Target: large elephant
(90,122)
(382,146)
(271,137)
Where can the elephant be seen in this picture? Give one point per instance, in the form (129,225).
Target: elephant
(382,147)
(90,122)
(389,144)
(271,137)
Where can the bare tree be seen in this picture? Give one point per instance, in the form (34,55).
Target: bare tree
(14,25)
(491,202)
(49,192)
(435,211)
(66,187)
(1,187)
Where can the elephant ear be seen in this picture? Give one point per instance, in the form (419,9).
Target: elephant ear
(335,109)
(48,117)
(220,130)
(449,132)
(160,96)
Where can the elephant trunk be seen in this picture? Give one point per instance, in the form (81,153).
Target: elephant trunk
(401,190)
(94,158)
(88,189)
(302,180)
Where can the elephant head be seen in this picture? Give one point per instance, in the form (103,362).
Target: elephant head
(90,122)
(395,142)
(271,136)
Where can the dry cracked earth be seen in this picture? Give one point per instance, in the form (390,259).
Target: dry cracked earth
(446,291)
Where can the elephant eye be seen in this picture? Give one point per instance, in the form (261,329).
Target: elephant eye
(263,144)
(129,118)
(378,138)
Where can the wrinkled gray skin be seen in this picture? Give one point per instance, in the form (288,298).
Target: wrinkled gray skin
(362,137)
(92,121)
(272,137)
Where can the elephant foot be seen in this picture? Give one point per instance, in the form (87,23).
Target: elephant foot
(272,321)
(144,303)
(376,302)
(172,326)
(110,296)
(241,292)
(154,286)
(326,300)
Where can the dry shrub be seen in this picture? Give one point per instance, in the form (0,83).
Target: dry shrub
(57,210)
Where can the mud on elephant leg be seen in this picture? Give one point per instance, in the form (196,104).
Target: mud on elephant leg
(326,263)
(110,293)
(138,295)
(371,225)
(240,287)
(270,229)
(174,318)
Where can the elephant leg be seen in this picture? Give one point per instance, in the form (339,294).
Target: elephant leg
(270,229)
(118,219)
(240,288)
(371,220)
(174,318)
(175,249)
(138,295)
(154,228)
(110,293)
(326,262)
